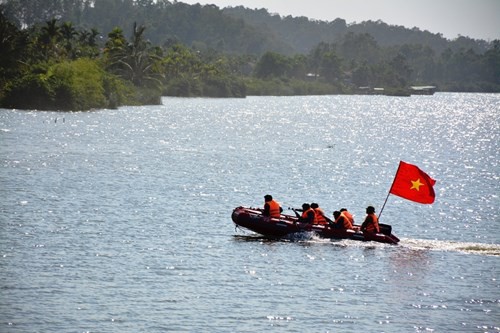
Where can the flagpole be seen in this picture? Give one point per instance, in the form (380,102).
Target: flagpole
(387,197)
(388,193)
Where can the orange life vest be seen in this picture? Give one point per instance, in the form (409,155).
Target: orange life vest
(373,224)
(305,214)
(348,215)
(319,216)
(274,209)
(346,223)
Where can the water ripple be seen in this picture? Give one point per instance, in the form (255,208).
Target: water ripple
(119,220)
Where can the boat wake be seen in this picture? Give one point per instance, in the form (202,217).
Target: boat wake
(439,245)
(407,243)
(422,244)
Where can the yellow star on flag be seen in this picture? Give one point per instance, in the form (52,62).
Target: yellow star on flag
(408,184)
(416,184)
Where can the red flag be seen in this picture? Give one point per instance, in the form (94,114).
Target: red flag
(413,184)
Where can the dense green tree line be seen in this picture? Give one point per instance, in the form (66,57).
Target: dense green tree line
(302,34)
(233,29)
(84,59)
(167,22)
(56,66)
(358,61)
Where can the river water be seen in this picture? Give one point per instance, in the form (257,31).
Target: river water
(119,220)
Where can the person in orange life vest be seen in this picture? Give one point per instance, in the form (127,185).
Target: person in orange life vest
(371,221)
(308,215)
(347,214)
(271,207)
(320,216)
(341,221)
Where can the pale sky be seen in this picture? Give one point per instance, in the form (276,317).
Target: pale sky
(478,19)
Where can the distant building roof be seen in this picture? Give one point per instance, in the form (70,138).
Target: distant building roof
(423,87)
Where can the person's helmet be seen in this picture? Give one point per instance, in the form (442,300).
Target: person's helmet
(268,197)
(370,209)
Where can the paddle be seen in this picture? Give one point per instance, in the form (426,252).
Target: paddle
(296,210)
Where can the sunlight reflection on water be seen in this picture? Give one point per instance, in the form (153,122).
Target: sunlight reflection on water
(119,220)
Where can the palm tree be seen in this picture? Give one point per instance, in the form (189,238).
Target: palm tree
(14,45)
(49,36)
(136,60)
(68,33)
(87,42)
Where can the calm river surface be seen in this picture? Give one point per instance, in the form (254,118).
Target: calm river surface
(120,220)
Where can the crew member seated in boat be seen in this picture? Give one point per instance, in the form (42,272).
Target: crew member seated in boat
(371,221)
(347,214)
(320,217)
(271,207)
(308,215)
(341,221)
